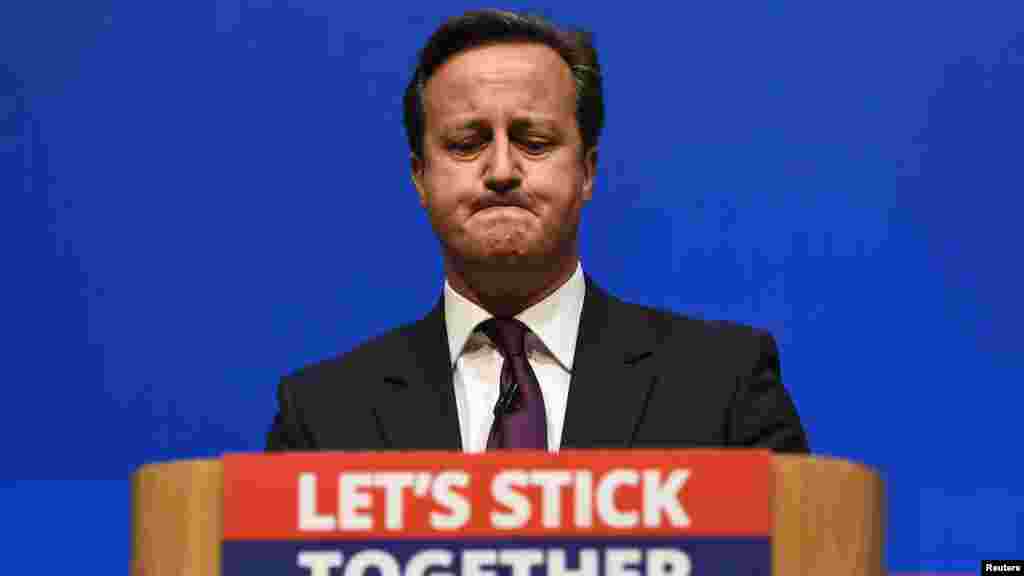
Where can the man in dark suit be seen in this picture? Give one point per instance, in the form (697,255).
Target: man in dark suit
(523,350)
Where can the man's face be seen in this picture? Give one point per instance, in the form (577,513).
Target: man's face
(503,176)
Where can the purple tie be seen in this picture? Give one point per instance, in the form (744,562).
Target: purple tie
(519,416)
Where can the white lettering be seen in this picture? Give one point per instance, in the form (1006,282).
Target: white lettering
(668,562)
(620,561)
(354,502)
(308,517)
(990,567)
(606,509)
(584,493)
(521,560)
(427,559)
(664,498)
(551,483)
(319,563)
(444,494)
(514,562)
(394,484)
(365,559)
(473,562)
(587,563)
(504,493)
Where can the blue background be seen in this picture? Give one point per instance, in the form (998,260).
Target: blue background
(186,188)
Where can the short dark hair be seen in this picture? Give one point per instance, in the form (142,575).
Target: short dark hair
(482,27)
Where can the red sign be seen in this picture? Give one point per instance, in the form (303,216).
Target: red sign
(424,494)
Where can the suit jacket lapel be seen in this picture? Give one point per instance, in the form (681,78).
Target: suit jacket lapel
(612,373)
(417,408)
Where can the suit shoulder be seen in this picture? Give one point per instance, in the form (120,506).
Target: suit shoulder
(377,351)
(670,325)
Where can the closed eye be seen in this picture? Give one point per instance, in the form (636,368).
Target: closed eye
(536,146)
(464,147)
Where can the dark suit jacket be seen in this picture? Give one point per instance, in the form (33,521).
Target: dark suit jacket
(641,378)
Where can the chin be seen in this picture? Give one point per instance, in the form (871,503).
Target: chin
(503,255)
(510,256)
(512,245)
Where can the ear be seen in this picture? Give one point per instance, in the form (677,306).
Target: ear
(417,165)
(589,172)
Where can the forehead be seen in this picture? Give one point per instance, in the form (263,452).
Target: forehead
(512,77)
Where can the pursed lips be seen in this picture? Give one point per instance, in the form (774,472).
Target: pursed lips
(500,203)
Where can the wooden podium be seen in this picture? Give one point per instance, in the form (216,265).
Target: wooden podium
(828,518)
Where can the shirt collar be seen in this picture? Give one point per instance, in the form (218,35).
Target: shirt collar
(555,320)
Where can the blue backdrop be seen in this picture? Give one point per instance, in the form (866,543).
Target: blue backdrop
(184,187)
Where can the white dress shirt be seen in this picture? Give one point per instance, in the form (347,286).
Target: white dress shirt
(549,345)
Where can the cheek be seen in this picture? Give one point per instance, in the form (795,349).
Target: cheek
(560,190)
(447,191)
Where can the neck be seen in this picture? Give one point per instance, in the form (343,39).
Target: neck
(507,291)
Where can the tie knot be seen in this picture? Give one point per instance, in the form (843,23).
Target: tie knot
(506,333)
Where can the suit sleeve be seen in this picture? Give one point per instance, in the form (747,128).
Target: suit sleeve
(287,431)
(762,413)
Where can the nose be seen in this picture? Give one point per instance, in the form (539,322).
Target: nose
(502,170)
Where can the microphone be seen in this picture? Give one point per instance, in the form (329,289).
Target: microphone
(506,400)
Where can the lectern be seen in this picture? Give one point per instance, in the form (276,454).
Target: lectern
(826,515)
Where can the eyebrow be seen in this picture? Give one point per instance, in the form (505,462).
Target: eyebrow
(516,124)
(475,125)
(533,122)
